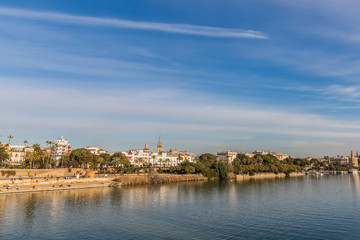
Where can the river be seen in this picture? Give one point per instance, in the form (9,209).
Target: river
(326,207)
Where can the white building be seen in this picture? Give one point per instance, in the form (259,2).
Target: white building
(342,160)
(142,157)
(139,157)
(61,148)
(279,155)
(96,150)
(17,154)
(226,157)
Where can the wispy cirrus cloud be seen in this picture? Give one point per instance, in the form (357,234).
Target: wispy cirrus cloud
(339,92)
(186,29)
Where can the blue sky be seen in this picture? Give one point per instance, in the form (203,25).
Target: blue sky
(277,75)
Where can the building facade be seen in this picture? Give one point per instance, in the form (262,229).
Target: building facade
(160,158)
(279,155)
(61,148)
(226,157)
(96,150)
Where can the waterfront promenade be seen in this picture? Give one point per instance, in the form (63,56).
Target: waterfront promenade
(58,179)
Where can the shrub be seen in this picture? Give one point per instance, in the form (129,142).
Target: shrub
(8,173)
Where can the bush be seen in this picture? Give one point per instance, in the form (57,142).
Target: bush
(8,173)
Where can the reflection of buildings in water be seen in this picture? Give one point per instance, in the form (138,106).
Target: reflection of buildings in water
(30,207)
(232,194)
(81,199)
(356,184)
(24,208)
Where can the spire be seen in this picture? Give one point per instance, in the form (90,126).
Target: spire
(159,146)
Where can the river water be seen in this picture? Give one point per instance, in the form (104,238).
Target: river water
(326,207)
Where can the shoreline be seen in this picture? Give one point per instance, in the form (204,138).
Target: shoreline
(268,175)
(39,185)
(54,184)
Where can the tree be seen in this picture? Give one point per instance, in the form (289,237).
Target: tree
(179,159)
(223,170)
(119,157)
(26,143)
(167,161)
(207,159)
(36,156)
(4,156)
(106,157)
(81,156)
(153,162)
(243,159)
(10,137)
(140,161)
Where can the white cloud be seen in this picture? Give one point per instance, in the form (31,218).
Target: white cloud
(175,111)
(120,23)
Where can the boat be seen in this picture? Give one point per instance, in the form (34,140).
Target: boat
(353,171)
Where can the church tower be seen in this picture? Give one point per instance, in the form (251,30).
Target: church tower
(354,161)
(146,148)
(159,146)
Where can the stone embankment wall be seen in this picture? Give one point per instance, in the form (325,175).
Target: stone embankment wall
(59,172)
(268,175)
(15,185)
(52,181)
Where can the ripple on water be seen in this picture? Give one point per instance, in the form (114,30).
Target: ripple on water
(299,208)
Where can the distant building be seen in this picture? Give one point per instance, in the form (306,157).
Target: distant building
(341,160)
(226,157)
(279,155)
(160,158)
(96,150)
(61,148)
(18,154)
(354,160)
(159,146)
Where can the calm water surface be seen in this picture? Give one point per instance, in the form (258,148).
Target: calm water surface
(326,207)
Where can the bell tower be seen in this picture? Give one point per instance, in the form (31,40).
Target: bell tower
(159,146)
(354,161)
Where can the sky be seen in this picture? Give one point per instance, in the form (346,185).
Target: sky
(206,75)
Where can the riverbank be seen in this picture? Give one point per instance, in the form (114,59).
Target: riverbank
(268,175)
(19,185)
(15,185)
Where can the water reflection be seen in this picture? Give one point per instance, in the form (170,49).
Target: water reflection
(256,208)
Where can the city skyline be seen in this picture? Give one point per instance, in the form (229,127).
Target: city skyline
(206,76)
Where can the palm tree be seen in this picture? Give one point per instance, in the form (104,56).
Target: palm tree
(141,160)
(10,137)
(179,159)
(26,143)
(153,158)
(51,148)
(167,162)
